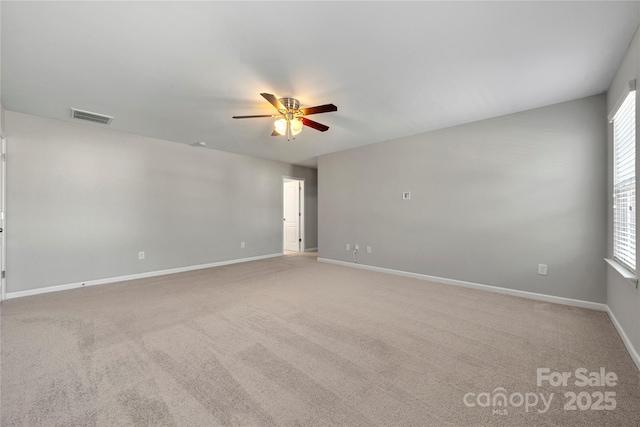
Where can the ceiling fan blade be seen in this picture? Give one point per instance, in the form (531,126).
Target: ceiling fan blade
(319,109)
(315,125)
(253,117)
(275,133)
(273,100)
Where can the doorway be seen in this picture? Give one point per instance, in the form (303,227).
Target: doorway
(3,193)
(293,214)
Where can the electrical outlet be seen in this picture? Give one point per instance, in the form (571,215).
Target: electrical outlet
(368,249)
(357,247)
(347,247)
(141,255)
(542,269)
(242,245)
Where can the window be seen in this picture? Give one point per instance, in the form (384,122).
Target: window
(624,182)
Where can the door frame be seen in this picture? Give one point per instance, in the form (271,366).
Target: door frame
(3,218)
(286,178)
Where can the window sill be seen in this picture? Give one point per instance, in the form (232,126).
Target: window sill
(631,277)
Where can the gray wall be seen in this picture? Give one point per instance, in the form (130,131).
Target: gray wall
(82,201)
(1,108)
(489,201)
(623,299)
(311,208)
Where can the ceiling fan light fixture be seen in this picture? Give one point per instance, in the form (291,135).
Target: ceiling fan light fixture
(280,126)
(296,126)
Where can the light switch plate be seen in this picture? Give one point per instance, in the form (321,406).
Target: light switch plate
(542,269)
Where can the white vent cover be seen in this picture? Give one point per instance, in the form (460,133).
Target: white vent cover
(89,116)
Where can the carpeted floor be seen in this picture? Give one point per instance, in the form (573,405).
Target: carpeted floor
(289,341)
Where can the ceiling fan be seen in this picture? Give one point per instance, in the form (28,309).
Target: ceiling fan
(291,117)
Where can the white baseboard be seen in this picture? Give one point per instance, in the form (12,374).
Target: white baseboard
(625,338)
(76,285)
(496,289)
(311,249)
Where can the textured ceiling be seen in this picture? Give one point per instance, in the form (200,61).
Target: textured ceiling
(179,70)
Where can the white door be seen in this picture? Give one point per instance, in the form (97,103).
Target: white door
(292,216)
(3,254)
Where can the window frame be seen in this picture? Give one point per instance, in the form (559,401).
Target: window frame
(624,186)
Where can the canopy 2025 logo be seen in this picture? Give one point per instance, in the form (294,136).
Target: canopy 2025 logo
(499,400)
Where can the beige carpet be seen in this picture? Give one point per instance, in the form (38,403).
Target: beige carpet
(289,341)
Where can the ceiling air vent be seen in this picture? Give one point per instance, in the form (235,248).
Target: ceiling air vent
(89,116)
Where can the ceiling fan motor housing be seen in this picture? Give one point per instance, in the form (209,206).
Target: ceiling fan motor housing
(290,103)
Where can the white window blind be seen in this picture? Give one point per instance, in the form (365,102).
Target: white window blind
(624,183)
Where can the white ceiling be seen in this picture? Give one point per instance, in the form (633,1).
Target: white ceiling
(179,70)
